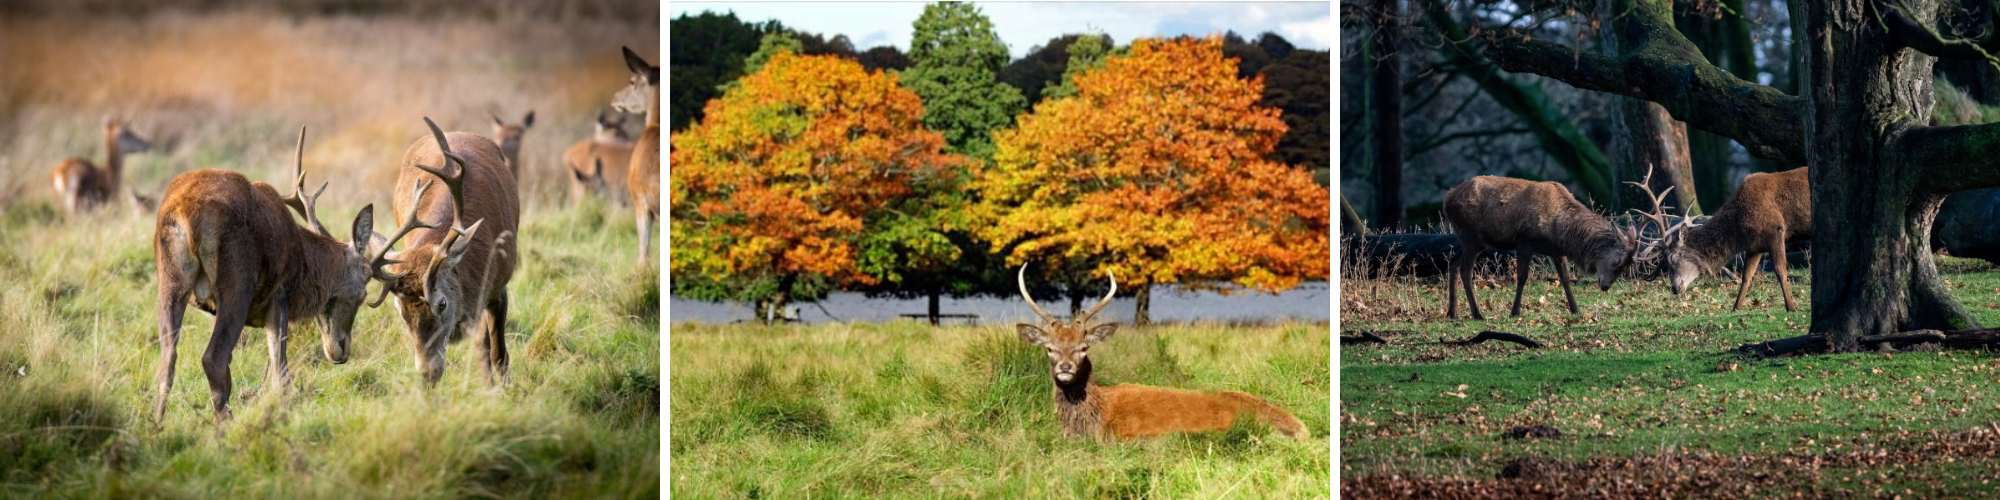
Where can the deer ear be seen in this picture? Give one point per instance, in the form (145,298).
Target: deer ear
(1031,334)
(458,248)
(528,121)
(364,229)
(497,122)
(1100,332)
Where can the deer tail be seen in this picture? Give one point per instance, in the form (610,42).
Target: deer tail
(1271,414)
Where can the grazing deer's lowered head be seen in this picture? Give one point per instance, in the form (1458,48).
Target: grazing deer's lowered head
(1530,218)
(1128,411)
(1768,209)
(609,128)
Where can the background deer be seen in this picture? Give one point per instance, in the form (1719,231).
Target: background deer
(1529,218)
(509,136)
(227,243)
(81,185)
(449,273)
(1767,210)
(1129,411)
(598,164)
(642,177)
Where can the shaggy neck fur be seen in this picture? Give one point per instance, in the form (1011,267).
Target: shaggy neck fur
(1712,243)
(1583,235)
(1077,405)
(322,265)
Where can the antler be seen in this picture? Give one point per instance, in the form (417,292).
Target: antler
(454,178)
(378,262)
(1659,213)
(1022,278)
(306,206)
(1101,303)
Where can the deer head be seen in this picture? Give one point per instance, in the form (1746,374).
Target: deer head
(424,277)
(1067,342)
(1611,261)
(509,135)
(348,286)
(610,127)
(636,97)
(127,141)
(1668,251)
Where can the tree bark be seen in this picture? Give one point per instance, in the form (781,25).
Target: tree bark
(1386,104)
(1651,140)
(1141,314)
(932,311)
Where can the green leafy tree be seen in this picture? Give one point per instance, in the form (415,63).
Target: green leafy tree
(708,52)
(1084,55)
(770,46)
(1041,68)
(956,58)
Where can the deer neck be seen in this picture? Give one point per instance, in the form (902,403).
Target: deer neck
(1078,405)
(321,261)
(114,161)
(1581,233)
(1716,241)
(653,106)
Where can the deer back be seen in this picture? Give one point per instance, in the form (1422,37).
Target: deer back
(490,195)
(213,223)
(1505,213)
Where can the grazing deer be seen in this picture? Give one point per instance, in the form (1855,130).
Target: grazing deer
(226,243)
(642,177)
(598,164)
(450,273)
(1768,209)
(83,186)
(1530,218)
(510,140)
(1130,411)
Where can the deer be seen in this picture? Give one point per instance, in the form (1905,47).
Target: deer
(509,136)
(642,176)
(1768,209)
(1529,217)
(227,245)
(1129,411)
(598,164)
(452,276)
(81,185)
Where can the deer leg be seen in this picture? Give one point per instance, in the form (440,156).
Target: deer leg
(275,335)
(230,315)
(1562,275)
(1784,276)
(1521,266)
(1749,272)
(173,303)
(1471,304)
(497,336)
(645,234)
(1451,281)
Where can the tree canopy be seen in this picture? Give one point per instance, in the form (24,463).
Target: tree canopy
(956,58)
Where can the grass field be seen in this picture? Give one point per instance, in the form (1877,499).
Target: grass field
(906,409)
(1649,400)
(227,88)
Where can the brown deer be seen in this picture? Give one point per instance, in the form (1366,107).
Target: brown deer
(642,177)
(1530,218)
(226,243)
(1768,209)
(450,274)
(1129,411)
(598,164)
(81,185)
(509,136)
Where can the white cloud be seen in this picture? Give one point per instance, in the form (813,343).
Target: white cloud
(1317,33)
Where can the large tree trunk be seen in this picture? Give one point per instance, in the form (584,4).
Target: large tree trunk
(1649,139)
(932,311)
(1872,269)
(1386,104)
(1141,313)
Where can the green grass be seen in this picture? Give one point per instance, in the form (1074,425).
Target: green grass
(906,409)
(79,349)
(1641,373)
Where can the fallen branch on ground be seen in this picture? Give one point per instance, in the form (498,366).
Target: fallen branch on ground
(1363,338)
(1978,338)
(1493,335)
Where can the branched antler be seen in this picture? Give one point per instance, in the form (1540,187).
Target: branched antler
(378,263)
(306,205)
(1658,216)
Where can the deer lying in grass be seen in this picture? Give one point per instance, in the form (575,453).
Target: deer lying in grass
(1130,411)
(1768,209)
(598,164)
(81,185)
(1529,218)
(509,136)
(450,274)
(227,243)
(642,177)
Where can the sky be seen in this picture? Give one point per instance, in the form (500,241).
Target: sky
(1308,25)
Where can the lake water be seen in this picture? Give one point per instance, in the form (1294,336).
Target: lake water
(1308,302)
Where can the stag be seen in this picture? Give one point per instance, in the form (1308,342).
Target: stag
(81,185)
(451,275)
(1768,209)
(642,177)
(227,243)
(598,164)
(1530,218)
(1129,411)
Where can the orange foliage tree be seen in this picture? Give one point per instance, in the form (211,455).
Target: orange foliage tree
(1159,170)
(779,183)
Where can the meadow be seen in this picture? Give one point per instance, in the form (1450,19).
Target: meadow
(79,346)
(1645,396)
(904,409)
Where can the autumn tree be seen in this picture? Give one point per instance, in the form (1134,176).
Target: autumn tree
(1157,171)
(955,61)
(792,172)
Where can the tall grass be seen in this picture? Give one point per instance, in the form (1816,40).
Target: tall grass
(78,348)
(906,409)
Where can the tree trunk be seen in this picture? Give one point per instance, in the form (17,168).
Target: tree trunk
(1651,138)
(1873,273)
(1141,315)
(1386,104)
(933,310)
